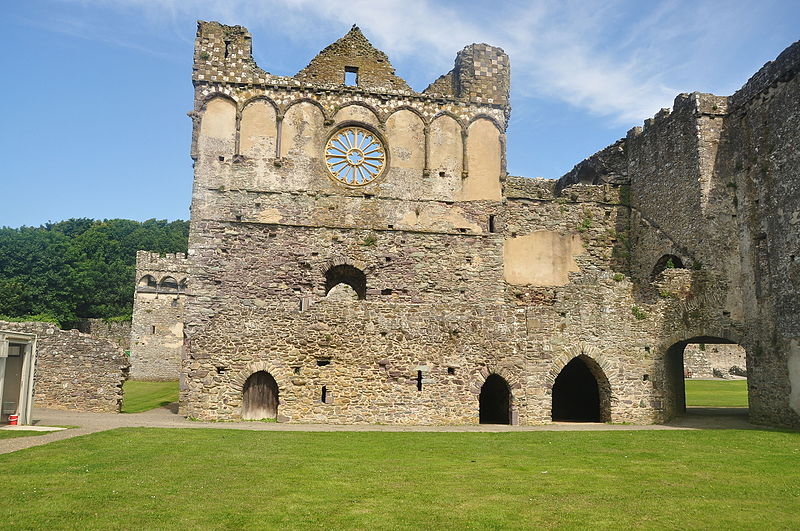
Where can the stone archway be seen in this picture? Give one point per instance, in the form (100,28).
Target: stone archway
(260,397)
(581,391)
(494,401)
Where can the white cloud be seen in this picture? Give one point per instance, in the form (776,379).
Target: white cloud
(609,57)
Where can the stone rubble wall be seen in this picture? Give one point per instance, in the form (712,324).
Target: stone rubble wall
(74,370)
(702,361)
(118,332)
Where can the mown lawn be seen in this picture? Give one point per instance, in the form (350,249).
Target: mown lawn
(11,434)
(142,396)
(150,478)
(716,393)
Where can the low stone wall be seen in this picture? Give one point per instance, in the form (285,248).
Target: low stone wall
(118,332)
(702,361)
(75,370)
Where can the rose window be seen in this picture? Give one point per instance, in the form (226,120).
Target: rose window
(355,156)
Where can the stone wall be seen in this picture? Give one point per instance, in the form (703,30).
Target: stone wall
(118,332)
(156,334)
(395,301)
(709,361)
(74,370)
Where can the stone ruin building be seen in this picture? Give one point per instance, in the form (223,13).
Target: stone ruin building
(358,253)
(157,322)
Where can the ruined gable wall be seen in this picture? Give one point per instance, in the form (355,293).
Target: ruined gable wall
(158,316)
(74,370)
(267,221)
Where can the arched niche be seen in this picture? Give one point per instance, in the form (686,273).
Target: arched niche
(169,284)
(349,275)
(405,135)
(147,281)
(218,127)
(258,130)
(483,162)
(301,131)
(357,113)
(446,147)
(668,261)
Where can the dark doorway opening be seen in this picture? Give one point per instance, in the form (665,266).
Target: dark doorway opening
(495,401)
(577,394)
(260,399)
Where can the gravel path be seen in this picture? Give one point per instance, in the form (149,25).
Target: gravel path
(166,417)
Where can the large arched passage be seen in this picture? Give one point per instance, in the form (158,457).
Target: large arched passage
(709,375)
(581,393)
(495,401)
(260,400)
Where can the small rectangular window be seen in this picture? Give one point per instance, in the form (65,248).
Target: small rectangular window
(324,397)
(419,380)
(491,223)
(351,76)
(153,329)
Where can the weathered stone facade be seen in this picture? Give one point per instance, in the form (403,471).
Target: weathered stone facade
(74,370)
(446,292)
(156,333)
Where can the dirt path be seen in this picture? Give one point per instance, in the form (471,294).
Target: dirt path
(698,418)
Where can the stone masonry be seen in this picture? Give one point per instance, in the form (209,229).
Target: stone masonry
(74,370)
(443,291)
(156,334)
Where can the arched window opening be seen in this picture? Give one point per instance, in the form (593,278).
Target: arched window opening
(668,261)
(349,275)
(147,281)
(169,283)
(260,397)
(495,401)
(706,376)
(581,393)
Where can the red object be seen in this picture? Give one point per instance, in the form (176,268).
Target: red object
(13,419)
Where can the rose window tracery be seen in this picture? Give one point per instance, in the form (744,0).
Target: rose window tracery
(355,156)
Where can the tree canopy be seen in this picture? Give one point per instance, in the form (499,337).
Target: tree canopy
(78,268)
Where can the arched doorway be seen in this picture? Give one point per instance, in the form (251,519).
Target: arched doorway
(495,401)
(260,399)
(706,375)
(581,393)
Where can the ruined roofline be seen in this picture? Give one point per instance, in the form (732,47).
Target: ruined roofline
(780,70)
(223,54)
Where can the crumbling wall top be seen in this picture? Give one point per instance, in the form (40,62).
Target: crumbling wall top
(353,53)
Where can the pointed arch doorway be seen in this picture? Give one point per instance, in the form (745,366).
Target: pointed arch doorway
(581,393)
(260,400)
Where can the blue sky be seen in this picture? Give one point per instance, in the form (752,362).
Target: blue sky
(95,92)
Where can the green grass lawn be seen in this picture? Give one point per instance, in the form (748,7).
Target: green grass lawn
(11,434)
(151,478)
(716,393)
(141,396)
